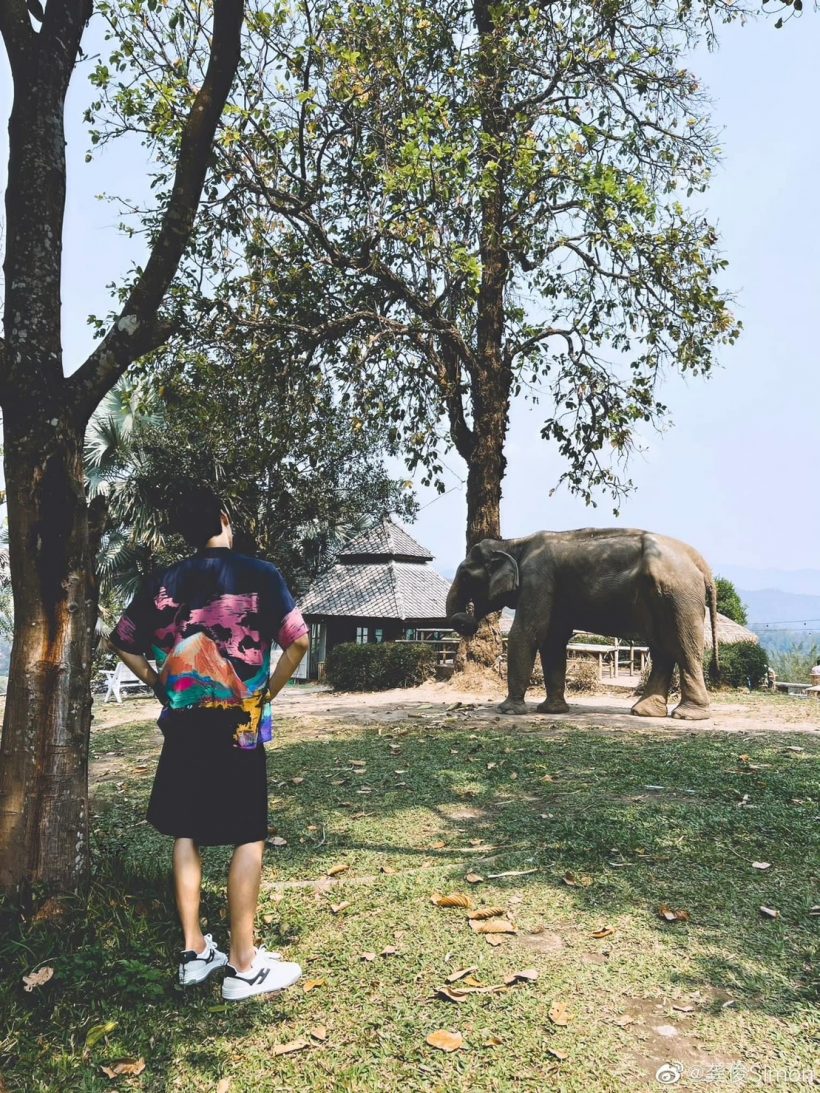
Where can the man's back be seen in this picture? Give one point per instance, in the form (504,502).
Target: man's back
(209,621)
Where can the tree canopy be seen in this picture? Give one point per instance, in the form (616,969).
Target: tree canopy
(450,204)
(729,602)
(295,472)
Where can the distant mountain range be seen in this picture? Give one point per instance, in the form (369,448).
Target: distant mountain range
(800,582)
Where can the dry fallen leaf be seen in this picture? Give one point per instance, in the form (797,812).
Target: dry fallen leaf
(454,899)
(367,956)
(493,939)
(438,845)
(224,1085)
(769,912)
(460,974)
(528,974)
(452,994)
(296,781)
(335,870)
(37,979)
(492,1041)
(445,1041)
(293,1045)
(124,1068)
(582,880)
(337,908)
(389,950)
(559,1014)
(311,984)
(668,915)
(388,870)
(556,1054)
(605,931)
(319,1033)
(485,912)
(624,1020)
(761,865)
(474,878)
(277,840)
(684,1009)
(493,926)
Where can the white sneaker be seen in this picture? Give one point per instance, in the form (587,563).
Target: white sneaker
(196,967)
(266,975)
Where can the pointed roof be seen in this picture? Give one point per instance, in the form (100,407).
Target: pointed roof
(379,590)
(383,542)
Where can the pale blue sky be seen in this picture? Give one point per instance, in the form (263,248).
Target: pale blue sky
(735,476)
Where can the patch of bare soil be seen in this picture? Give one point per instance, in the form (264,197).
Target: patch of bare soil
(664,1047)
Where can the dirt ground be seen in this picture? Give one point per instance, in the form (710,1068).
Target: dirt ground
(319,709)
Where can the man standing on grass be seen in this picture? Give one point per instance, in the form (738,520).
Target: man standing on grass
(209,622)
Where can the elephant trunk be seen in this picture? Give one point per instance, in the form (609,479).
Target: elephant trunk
(458,616)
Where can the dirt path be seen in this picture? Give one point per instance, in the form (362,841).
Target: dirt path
(737,713)
(324,710)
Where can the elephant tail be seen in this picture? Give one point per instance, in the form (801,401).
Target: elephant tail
(711,599)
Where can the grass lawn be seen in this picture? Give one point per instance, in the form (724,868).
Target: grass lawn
(410,809)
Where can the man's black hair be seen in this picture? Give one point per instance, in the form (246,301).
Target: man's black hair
(197,515)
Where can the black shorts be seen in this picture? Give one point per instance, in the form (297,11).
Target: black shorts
(206,789)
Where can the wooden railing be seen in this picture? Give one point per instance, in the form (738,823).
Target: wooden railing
(612,658)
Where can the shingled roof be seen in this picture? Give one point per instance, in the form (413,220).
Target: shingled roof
(385,540)
(383,574)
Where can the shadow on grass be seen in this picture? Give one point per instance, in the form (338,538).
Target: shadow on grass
(650,820)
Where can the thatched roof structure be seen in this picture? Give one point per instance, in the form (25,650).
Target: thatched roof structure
(729,632)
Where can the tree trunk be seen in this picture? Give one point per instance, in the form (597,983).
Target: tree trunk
(490,376)
(44,751)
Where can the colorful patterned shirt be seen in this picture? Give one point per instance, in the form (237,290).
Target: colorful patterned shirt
(210,622)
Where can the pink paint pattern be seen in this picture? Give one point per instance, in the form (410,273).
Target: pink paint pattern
(293,627)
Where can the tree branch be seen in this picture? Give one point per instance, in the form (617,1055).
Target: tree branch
(17,33)
(136,330)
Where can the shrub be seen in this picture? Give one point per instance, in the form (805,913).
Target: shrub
(377,667)
(743,664)
(582,676)
(795,662)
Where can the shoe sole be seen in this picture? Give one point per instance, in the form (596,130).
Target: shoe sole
(210,971)
(256,993)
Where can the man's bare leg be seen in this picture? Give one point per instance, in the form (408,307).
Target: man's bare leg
(243,891)
(188,885)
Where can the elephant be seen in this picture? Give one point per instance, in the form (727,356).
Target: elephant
(620,582)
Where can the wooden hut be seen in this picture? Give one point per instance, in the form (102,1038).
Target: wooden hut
(382,588)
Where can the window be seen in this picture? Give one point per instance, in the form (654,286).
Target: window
(378,635)
(410,634)
(362,636)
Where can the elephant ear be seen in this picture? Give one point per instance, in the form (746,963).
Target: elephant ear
(504,577)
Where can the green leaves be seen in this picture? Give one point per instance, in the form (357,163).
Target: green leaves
(388,173)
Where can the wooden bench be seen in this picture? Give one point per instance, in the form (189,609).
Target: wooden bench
(800,689)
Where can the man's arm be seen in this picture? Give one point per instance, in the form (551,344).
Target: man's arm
(287,664)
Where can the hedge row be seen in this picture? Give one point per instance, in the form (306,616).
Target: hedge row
(379,666)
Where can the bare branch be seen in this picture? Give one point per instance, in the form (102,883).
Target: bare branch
(135,332)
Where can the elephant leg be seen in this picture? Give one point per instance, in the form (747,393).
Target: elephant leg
(653,701)
(520,660)
(554,663)
(694,703)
